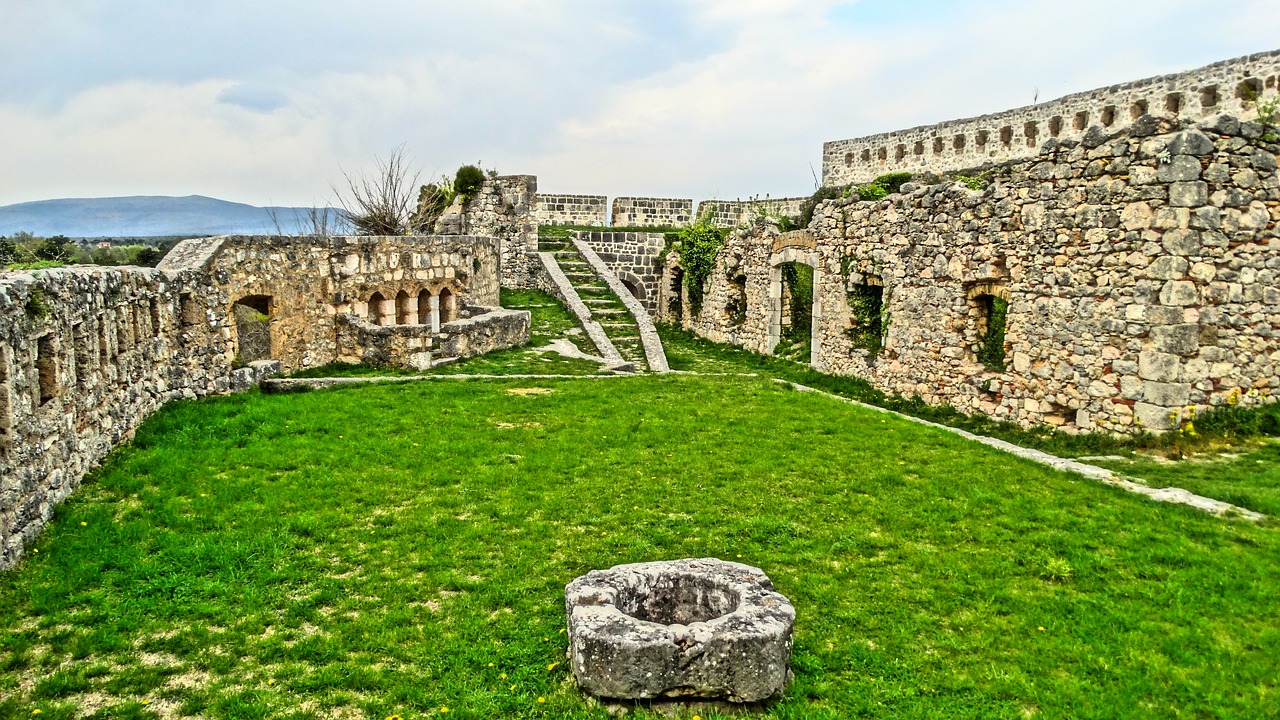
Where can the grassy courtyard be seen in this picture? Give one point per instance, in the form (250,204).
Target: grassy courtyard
(384,550)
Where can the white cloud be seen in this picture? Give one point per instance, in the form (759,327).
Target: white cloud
(263,103)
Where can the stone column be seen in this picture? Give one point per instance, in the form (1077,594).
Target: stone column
(434,304)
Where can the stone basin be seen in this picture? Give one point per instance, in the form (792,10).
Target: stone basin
(696,629)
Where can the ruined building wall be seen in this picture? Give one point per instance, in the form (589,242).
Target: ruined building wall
(506,209)
(634,257)
(305,282)
(651,212)
(86,354)
(738,213)
(1222,88)
(1142,272)
(582,210)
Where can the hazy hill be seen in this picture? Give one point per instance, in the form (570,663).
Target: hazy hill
(143,217)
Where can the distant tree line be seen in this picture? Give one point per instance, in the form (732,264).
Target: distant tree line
(27,251)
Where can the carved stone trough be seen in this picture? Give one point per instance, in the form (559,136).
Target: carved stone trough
(693,629)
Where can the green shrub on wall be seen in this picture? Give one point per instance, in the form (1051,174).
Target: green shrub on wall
(699,244)
(468,182)
(868,319)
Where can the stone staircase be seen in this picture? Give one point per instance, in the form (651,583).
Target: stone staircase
(606,310)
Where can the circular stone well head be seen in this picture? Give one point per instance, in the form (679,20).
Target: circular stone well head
(705,629)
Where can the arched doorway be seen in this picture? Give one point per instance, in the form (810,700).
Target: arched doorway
(424,307)
(793,305)
(252,316)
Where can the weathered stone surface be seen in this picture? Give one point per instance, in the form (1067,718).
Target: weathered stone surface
(1176,339)
(1188,194)
(1180,168)
(686,629)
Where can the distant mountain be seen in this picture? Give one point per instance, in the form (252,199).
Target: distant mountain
(144,217)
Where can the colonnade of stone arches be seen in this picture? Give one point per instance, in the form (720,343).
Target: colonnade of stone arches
(424,308)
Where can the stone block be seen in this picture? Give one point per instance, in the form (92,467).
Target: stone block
(1181,168)
(1155,417)
(1168,268)
(1190,142)
(1179,292)
(1158,366)
(1170,395)
(1176,339)
(1181,242)
(1188,194)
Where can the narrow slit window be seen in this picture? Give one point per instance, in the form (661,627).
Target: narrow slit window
(47,368)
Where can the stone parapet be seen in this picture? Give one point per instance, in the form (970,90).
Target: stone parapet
(740,213)
(581,210)
(651,212)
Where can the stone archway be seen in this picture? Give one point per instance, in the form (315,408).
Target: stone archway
(780,297)
(252,315)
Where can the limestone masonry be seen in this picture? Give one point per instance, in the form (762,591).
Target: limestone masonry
(586,210)
(652,212)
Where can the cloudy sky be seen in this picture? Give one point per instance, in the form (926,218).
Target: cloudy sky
(266,102)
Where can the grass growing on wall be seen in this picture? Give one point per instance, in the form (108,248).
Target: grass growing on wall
(402,550)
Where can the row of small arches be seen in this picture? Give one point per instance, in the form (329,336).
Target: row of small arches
(404,309)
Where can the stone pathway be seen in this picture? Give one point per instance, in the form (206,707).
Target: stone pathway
(1169,495)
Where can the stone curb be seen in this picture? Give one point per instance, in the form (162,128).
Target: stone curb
(1169,495)
(653,352)
(579,308)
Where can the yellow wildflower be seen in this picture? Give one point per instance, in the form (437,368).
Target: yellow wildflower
(84,524)
(542,699)
(443,709)
(503,676)
(552,666)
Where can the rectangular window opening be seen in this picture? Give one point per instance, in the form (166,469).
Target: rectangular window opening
(47,368)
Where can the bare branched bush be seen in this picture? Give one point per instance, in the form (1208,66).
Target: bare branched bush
(320,221)
(384,201)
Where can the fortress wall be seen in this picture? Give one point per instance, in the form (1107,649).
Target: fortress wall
(651,212)
(1222,88)
(1142,272)
(737,213)
(582,210)
(507,208)
(86,353)
(634,258)
(305,282)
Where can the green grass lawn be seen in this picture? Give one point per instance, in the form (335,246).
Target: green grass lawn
(397,550)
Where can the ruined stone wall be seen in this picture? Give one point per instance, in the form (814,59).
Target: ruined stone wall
(651,212)
(634,258)
(506,209)
(305,282)
(581,210)
(86,353)
(1221,88)
(1142,272)
(739,213)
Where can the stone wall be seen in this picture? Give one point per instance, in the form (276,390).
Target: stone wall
(478,331)
(86,353)
(1222,88)
(634,258)
(506,209)
(303,283)
(651,212)
(1141,271)
(738,213)
(581,210)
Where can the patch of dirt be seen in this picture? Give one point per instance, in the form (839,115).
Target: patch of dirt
(190,680)
(509,426)
(529,391)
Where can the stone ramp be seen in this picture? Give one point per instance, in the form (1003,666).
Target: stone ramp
(568,294)
(655,356)
(599,300)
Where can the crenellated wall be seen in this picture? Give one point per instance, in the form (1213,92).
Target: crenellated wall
(1141,271)
(651,212)
(581,210)
(87,353)
(1221,88)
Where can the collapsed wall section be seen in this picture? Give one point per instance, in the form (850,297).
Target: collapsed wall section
(652,212)
(580,210)
(1228,87)
(86,354)
(301,284)
(1110,284)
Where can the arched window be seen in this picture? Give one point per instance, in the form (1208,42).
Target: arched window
(448,306)
(377,308)
(404,316)
(424,307)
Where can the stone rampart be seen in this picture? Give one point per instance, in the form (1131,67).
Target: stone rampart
(651,212)
(634,257)
(86,353)
(1221,88)
(1141,272)
(301,284)
(581,210)
(738,213)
